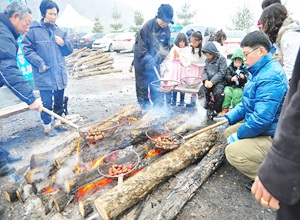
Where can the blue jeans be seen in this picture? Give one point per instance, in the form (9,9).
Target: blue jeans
(47,99)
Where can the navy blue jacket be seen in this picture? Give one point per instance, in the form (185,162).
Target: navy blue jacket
(10,74)
(262,99)
(40,48)
(152,46)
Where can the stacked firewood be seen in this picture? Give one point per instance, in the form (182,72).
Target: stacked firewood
(85,62)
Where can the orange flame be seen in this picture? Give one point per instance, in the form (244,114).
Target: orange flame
(97,162)
(77,158)
(166,127)
(49,189)
(92,188)
(132,119)
(154,152)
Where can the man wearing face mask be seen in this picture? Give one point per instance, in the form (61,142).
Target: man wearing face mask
(45,47)
(151,47)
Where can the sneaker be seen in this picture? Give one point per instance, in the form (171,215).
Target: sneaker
(50,132)
(181,103)
(7,169)
(249,185)
(14,158)
(60,127)
(173,103)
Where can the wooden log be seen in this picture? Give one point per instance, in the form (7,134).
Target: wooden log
(24,192)
(112,204)
(86,206)
(97,55)
(72,55)
(38,174)
(10,194)
(61,200)
(187,185)
(106,71)
(48,206)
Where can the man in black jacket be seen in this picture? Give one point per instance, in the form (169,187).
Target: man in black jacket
(151,47)
(14,21)
(278,182)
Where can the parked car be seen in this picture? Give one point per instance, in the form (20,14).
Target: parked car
(175,29)
(75,37)
(105,42)
(233,41)
(124,41)
(206,31)
(88,39)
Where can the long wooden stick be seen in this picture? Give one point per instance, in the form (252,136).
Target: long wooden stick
(60,118)
(205,129)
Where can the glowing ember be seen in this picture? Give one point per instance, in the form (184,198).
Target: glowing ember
(50,190)
(132,119)
(92,188)
(154,152)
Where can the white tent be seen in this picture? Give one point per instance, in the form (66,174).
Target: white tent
(71,19)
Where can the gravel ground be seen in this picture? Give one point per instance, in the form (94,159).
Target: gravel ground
(223,196)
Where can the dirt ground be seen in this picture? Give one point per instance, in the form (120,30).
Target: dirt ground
(223,196)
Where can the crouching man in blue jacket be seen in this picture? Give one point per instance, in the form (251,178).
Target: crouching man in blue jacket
(255,119)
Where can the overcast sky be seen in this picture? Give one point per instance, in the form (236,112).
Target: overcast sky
(216,13)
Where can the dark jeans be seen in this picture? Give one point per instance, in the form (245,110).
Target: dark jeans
(287,212)
(3,154)
(142,81)
(218,92)
(58,107)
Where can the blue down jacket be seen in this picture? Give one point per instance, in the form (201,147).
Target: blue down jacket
(40,49)
(262,99)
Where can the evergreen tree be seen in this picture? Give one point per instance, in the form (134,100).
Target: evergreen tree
(185,14)
(116,15)
(243,19)
(98,27)
(138,21)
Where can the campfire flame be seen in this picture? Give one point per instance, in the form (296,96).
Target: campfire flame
(154,152)
(92,188)
(77,158)
(97,162)
(50,190)
(166,127)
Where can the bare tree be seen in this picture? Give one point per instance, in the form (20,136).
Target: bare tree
(185,14)
(116,15)
(243,19)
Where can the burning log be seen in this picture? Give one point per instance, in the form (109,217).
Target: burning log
(10,194)
(24,192)
(193,178)
(38,174)
(112,204)
(61,200)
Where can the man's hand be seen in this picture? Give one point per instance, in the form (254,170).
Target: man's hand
(208,84)
(59,40)
(263,196)
(36,105)
(234,79)
(44,69)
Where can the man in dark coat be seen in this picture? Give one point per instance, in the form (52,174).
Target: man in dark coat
(278,182)
(151,47)
(14,21)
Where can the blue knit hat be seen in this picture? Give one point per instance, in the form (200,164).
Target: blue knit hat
(165,13)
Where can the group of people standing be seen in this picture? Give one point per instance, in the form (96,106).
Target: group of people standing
(44,45)
(263,137)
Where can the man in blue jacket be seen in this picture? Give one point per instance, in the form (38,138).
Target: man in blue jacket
(14,21)
(151,47)
(255,119)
